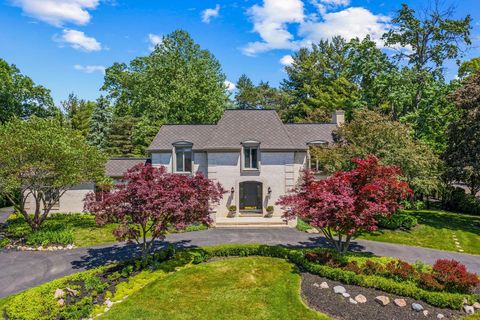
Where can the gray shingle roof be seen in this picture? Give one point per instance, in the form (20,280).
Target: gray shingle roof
(237,126)
(118,166)
(303,133)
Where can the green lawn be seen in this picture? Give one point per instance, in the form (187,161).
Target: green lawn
(238,288)
(62,229)
(436,230)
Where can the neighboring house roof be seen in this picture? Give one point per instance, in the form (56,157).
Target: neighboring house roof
(116,167)
(238,126)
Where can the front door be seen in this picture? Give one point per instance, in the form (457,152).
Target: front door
(251,196)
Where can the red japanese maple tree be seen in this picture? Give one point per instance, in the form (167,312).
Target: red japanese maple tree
(149,201)
(346,203)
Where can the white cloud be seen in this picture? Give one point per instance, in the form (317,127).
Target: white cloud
(89,69)
(58,12)
(286,60)
(349,23)
(274,19)
(271,21)
(208,14)
(154,39)
(78,40)
(230,85)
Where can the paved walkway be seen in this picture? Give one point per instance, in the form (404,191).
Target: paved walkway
(22,270)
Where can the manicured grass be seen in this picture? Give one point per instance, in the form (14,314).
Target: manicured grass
(436,230)
(237,288)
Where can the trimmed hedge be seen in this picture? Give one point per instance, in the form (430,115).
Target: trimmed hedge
(398,221)
(39,302)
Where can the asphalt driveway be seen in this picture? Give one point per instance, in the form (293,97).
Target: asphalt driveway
(22,270)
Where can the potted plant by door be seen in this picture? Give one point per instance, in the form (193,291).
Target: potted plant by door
(232,211)
(270,211)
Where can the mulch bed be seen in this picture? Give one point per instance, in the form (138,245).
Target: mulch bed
(338,307)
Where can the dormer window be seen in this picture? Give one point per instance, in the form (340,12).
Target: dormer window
(251,155)
(183,157)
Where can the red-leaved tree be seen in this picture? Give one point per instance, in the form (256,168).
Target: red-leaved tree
(346,203)
(149,201)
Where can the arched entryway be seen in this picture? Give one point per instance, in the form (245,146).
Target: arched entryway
(251,196)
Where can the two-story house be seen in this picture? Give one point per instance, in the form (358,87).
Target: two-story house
(255,157)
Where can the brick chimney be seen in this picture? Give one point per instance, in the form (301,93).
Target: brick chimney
(338,117)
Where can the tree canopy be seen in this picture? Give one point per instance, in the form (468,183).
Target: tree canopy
(179,82)
(21,97)
(40,160)
(370,133)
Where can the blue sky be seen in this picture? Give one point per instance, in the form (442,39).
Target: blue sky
(66,44)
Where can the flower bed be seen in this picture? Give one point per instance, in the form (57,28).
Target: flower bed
(96,290)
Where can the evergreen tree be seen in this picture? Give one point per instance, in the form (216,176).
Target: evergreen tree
(78,113)
(120,137)
(246,97)
(100,124)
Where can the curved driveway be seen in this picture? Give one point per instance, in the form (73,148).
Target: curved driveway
(22,270)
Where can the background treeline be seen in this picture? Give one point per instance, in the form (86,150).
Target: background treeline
(399,104)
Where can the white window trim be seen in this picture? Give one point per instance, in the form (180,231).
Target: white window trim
(182,144)
(252,145)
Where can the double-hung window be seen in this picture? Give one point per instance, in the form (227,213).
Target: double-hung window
(183,157)
(250,157)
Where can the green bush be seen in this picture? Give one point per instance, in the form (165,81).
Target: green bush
(397,221)
(47,237)
(302,225)
(459,201)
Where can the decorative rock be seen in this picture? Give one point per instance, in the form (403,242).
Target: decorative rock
(69,247)
(425,313)
(59,293)
(352,301)
(324,285)
(465,301)
(72,291)
(61,302)
(417,307)
(346,295)
(468,309)
(440,316)
(312,231)
(108,303)
(383,300)
(316,285)
(339,289)
(400,303)
(476,305)
(361,298)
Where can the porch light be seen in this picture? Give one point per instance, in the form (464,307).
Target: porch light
(232,190)
(269,190)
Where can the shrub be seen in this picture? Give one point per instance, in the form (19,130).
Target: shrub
(414,205)
(270,209)
(459,201)
(373,268)
(45,237)
(454,275)
(323,257)
(354,267)
(397,221)
(232,208)
(427,281)
(302,225)
(400,270)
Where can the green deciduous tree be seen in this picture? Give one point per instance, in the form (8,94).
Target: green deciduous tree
(392,142)
(318,82)
(179,82)
(462,157)
(100,124)
(40,160)
(469,68)
(21,97)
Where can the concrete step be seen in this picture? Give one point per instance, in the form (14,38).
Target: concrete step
(251,222)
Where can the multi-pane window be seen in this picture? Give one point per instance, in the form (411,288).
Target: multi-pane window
(250,157)
(183,156)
